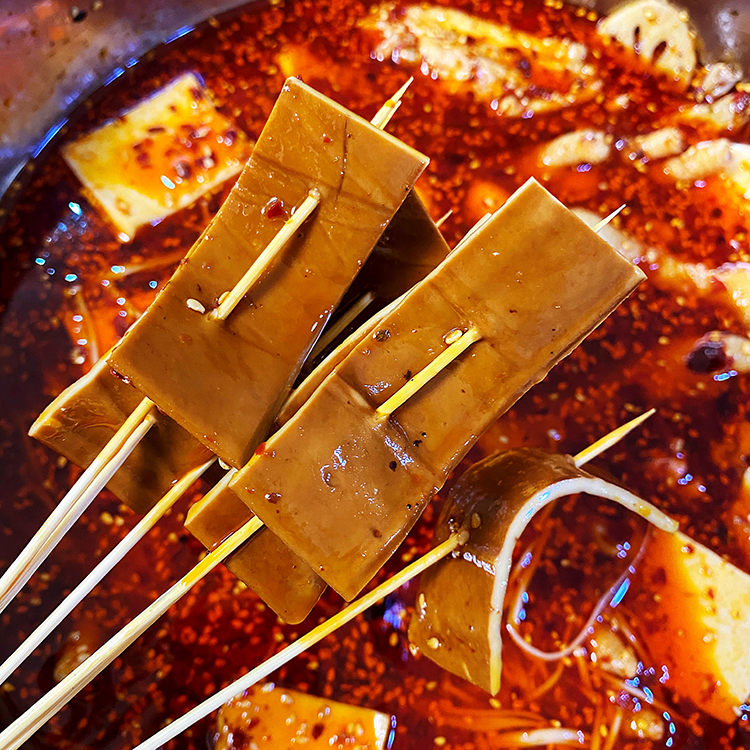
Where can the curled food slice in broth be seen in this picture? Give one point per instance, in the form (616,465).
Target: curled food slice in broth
(461,600)
(647,26)
(518,72)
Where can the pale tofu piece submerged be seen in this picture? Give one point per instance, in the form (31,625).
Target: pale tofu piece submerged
(274,717)
(698,625)
(159,157)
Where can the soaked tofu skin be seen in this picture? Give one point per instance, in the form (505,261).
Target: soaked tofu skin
(285,582)
(531,289)
(224,381)
(83,418)
(458,618)
(410,248)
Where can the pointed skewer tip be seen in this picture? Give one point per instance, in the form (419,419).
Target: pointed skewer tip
(610,439)
(607,219)
(439,223)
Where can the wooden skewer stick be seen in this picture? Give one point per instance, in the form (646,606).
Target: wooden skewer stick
(606,442)
(28,723)
(439,223)
(302,644)
(78,498)
(32,556)
(403,394)
(340,324)
(603,223)
(264,260)
(346,615)
(384,114)
(75,597)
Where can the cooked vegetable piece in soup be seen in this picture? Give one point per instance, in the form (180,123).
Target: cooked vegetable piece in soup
(158,157)
(696,617)
(458,620)
(273,717)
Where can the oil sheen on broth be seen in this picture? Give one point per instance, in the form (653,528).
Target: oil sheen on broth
(70,288)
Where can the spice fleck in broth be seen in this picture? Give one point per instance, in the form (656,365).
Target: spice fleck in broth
(70,288)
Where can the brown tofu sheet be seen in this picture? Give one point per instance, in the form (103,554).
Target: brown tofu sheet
(341,485)
(83,418)
(282,579)
(224,381)
(458,617)
(409,249)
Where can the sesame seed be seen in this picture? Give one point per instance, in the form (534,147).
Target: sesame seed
(193,304)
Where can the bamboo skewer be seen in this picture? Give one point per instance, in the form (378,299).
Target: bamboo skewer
(28,723)
(384,114)
(95,478)
(610,439)
(277,661)
(264,260)
(340,324)
(603,223)
(103,467)
(88,486)
(439,223)
(75,502)
(302,644)
(74,598)
(403,394)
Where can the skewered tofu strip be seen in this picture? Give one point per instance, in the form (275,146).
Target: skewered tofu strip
(410,248)
(527,287)
(224,380)
(285,582)
(460,604)
(82,419)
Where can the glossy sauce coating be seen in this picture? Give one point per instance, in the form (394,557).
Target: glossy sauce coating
(408,250)
(636,360)
(80,422)
(224,380)
(530,291)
